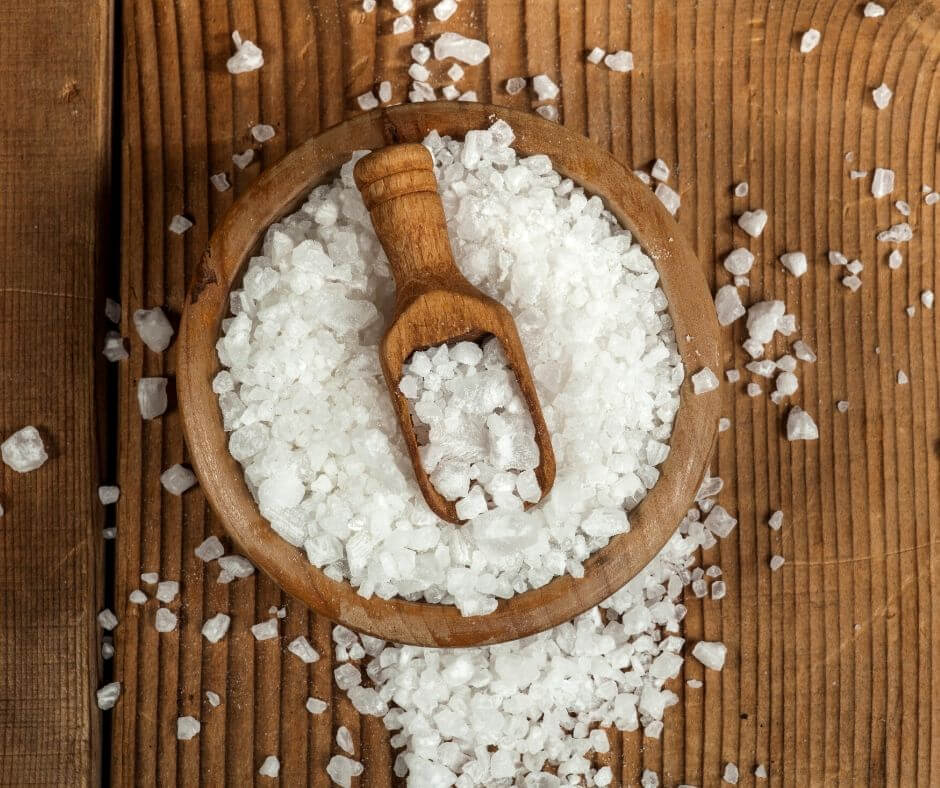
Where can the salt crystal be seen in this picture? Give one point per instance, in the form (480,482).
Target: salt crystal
(342,770)
(932,198)
(649,779)
(385,92)
(776,520)
(455,73)
(24,451)
(786,384)
(842,406)
(153,328)
(837,258)
(214,629)
(760,770)
(902,377)
(730,774)
(112,310)
(108,695)
(710,654)
(719,522)
(728,305)
(236,565)
(882,96)
(402,24)
(471,95)
(855,267)
(621,61)
(150,578)
(187,728)
(220,181)
(402,6)
(800,425)
(898,233)
(107,649)
(265,630)
(753,222)
(107,620)
(786,363)
(871,11)
(515,85)
(450,92)
(114,349)
(803,351)
(347,676)
(151,397)
(776,562)
(213,698)
(466,50)
(243,159)
(852,282)
(902,207)
(167,590)
(548,112)
(810,40)
(315,705)
(724,424)
(644,177)
(739,261)
(367,101)
(420,53)
(344,739)
(856,174)
(604,776)
(176,479)
(137,597)
(694,683)
(895,259)
(445,9)
(882,182)
(247,57)
(417,72)
(271,767)
(301,648)
(910,310)
(794,262)
(704,381)
(741,189)
(164,620)
(927,299)
(210,549)
(732,375)
(765,368)
(108,494)
(660,170)
(753,390)
(668,197)
(719,589)
(596,55)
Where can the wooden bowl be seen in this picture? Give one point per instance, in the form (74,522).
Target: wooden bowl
(278,192)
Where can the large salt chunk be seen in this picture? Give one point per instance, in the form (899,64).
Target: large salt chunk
(704,381)
(719,522)
(153,328)
(164,620)
(668,197)
(108,695)
(265,630)
(882,182)
(187,727)
(271,767)
(342,770)
(728,305)
(800,425)
(545,88)
(176,479)
(151,397)
(753,222)
(710,654)
(108,494)
(739,261)
(466,50)
(621,61)
(794,262)
(301,648)
(107,620)
(210,549)
(898,233)
(24,451)
(881,95)
(167,590)
(214,629)
(114,349)
(236,565)
(810,40)
(247,57)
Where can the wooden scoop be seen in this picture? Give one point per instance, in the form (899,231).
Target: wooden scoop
(434,301)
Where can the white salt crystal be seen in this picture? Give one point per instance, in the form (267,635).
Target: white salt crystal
(898,233)
(895,259)
(402,6)
(213,698)
(856,174)
(871,11)
(367,701)
(710,654)
(236,565)
(418,72)
(719,522)
(786,363)
(220,181)
(786,384)
(301,648)
(137,597)
(604,776)
(108,695)
(932,198)
(455,73)
(741,189)
(810,40)
(420,53)
(596,55)
(151,397)
(466,50)
(515,85)
(704,381)
(882,182)
(344,739)
(910,310)
(724,424)
(660,170)
(649,779)
(150,578)
(732,375)
(855,267)
(776,520)
(187,727)
(547,111)
(719,590)
(730,774)
(271,767)
(927,299)
(739,261)
(765,368)
(108,494)
(753,222)
(545,88)
(800,425)
(776,562)
(315,705)
(803,351)
(385,92)
(243,159)
(753,390)
(214,629)
(176,479)
(902,377)
(167,590)
(107,620)
(668,197)
(450,92)
(210,549)
(882,96)
(112,310)
(794,262)
(903,207)
(402,24)
(247,57)
(265,630)
(24,451)
(114,349)
(107,649)
(367,101)
(471,95)
(164,620)
(760,770)
(852,282)
(341,770)
(621,61)
(262,132)
(445,9)
(153,328)
(694,683)
(842,406)
(837,258)
(643,177)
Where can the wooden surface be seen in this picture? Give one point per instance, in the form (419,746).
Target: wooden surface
(54,183)
(831,674)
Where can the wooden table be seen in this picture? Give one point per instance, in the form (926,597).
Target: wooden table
(831,671)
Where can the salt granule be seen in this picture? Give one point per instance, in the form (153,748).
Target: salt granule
(385,92)
(642,176)
(137,597)
(466,50)
(932,198)
(403,24)
(753,222)
(114,349)
(418,73)
(214,629)
(455,73)
(444,10)
(24,450)
(151,397)
(803,351)
(367,101)
(776,562)
(810,40)
(247,57)
(344,739)
(342,769)
(902,377)
(210,549)
(107,649)
(927,299)
(548,112)
(301,648)
(786,363)
(112,310)
(902,207)
(649,779)
(262,132)
(236,565)
(741,189)
(604,776)
(719,522)
(243,159)
(728,305)
(800,425)
(776,520)
(176,479)
(704,381)
(150,578)
(852,282)
(760,770)
(596,55)
(108,494)
(910,310)
(871,11)
(855,267)
(898,233)
(220,181)
(765,368)
(167,590)
(730,774)
(837,258)
(108,695)
(515,85)
(187,728)
(271,767)
(179,224)
(153,328)
(724,424)
(794,262)
(660,170)
(668,197)
(621,61)
(786,384)
(107,620)
(719,590)
(164,620)
(882,96)
(545,89)
(732,375)
(753,390)
(450,92)
(420,53)
(471,95)
(710,654)
(213,698)
(402,6)
(739,261)
(265,630)
(882,182)
(842,406)
(315,705)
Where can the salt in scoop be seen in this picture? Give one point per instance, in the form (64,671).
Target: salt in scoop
(434,302)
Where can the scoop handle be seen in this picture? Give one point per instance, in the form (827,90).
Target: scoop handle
(399,190)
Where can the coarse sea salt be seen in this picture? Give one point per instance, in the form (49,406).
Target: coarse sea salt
(776,520)
(466,50)
(247,57)
(112,310)
(315,705)
(301,648)
(515,85)
(265,630)
(794,262)
(179,224)
(621,61)
(210,549)
(704,381)
(107,620)
(871,11)
(176,479)
(271,767)
(108,695)
(153,328)
(881,95)
(214,629)
(108,494)
(114,348)
(810,40)
(753,222)
(301,359)
(164,620)
(167,590)
(544,87)
(151,397)
(882,182)
(137,597)
(596,55)
(341,771)
(800,425)
(213,699)
(403,24)
(739,261)
(24,450)
(710,654)
(444,10)
(187,727)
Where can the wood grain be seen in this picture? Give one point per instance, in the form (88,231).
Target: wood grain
(55,171)
(831,671)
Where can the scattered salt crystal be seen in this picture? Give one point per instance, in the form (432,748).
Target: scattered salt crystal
(776,520)
(450,92)
(418,72)
(800,425)
(210,549)
(765,368)
(803,351)
(24,451)
(710,654)
(741,189)
(301,648)
(732,375)
(112,310)
(932,199)
(794,262)
(236,565)
(151,397)
(176,479)
(753,390)
(882,182)
(402,24)
(596,55)
(315,705)
(108,494)
(107,620)
(660,170)
(220,181)
(265,630)
(213,698)
(810,40)
(108,695)
(214,629)
(545,88)
(445,9)
(910,310)
(644,177)
(621,61)
(402,6)
(547,111)
(903,207)
(786,384)
(164,620)
(271,767)
(341,770)
(367,101)
(466,50)
(776,562)
(167,590)
(455,73)
(842,406)
(244,158)
(347,676)
(153,328)
(855,267)
(724,424)
(719,522)
(150,578)
(420,53)
(187,728)
(852,282)
(857,174)
(137,597)
(114,349)
(263,132)
(898,233)
(344,739)
(753,222)
(668,197)
(385,92)
(871,11)
(895,259)
(760,770)
(471,95)
(604,776)
(730,774)
(927,299)
(902,377)
(882,96)
(739,261)
(837,258)
(649,779)
(515,85)
(719,590)
(704,381)
(107,649)
(786,363)
(694,684)
(247,57)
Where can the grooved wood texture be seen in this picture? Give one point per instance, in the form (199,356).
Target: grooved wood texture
(830,673)
(54,182)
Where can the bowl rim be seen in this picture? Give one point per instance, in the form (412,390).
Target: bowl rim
(275,194)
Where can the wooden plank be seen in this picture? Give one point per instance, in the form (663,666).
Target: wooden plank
(830,675)
(55,90)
